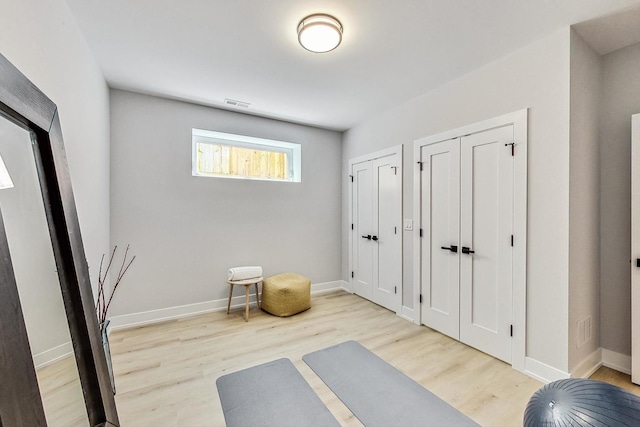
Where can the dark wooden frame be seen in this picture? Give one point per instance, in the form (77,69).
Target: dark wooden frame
(20,402)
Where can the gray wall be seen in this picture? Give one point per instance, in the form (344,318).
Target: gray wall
(187,231)
(41,38)
(584,198)
(535,77)
(620,99)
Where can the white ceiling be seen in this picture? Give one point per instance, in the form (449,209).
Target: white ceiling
(204,51)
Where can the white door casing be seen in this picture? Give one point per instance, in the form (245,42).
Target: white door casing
(440,208)
(518,122)
(486,227)
(375,198)
(635,248)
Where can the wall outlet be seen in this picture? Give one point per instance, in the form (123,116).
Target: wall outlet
(408,225)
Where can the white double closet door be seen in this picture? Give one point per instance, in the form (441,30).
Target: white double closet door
(466,247)
(376,243)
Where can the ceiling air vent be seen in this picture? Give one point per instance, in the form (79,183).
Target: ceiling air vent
(235,103)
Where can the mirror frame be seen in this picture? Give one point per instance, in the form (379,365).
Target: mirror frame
(20,402)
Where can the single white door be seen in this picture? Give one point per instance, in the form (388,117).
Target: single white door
(387,242)
(635,248)
(440,210)
(363,229)
(486,227)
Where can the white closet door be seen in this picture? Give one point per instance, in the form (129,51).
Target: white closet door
(387,244)
(363,228)
(440,210)
(486,226)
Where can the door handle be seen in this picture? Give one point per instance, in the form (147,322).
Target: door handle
(466,250)
(368,237)
(452,248)
(374,238)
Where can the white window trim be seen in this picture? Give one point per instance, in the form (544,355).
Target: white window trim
(212,137)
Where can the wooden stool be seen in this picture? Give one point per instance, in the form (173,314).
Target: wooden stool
(247,284)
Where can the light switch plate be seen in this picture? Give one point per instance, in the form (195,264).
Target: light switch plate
(408,225)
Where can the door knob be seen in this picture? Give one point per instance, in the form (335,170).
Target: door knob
(466,250)
(368,237)
(452,248)
(374,238)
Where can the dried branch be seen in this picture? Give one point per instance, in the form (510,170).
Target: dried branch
(117,282)
(100,298)
(102,304)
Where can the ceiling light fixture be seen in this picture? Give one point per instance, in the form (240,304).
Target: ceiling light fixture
(319,33)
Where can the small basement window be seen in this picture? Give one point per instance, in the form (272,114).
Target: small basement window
(225,155)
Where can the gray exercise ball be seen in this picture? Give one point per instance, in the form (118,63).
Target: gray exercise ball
(581,402)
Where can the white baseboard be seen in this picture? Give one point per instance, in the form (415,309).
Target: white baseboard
(319,288)
(153,316)
(589,365)
(600,357)
(543,372)
(617,361)
(50,356)
(169,313)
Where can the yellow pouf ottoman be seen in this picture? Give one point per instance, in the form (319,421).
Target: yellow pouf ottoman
(286,294)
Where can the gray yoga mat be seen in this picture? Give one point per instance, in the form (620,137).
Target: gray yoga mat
(379,394)
(271,394)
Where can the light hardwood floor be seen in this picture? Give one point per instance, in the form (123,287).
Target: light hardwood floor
(61,394)
(614,377)
(166,372)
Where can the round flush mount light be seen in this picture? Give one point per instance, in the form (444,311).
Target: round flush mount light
(319,33)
